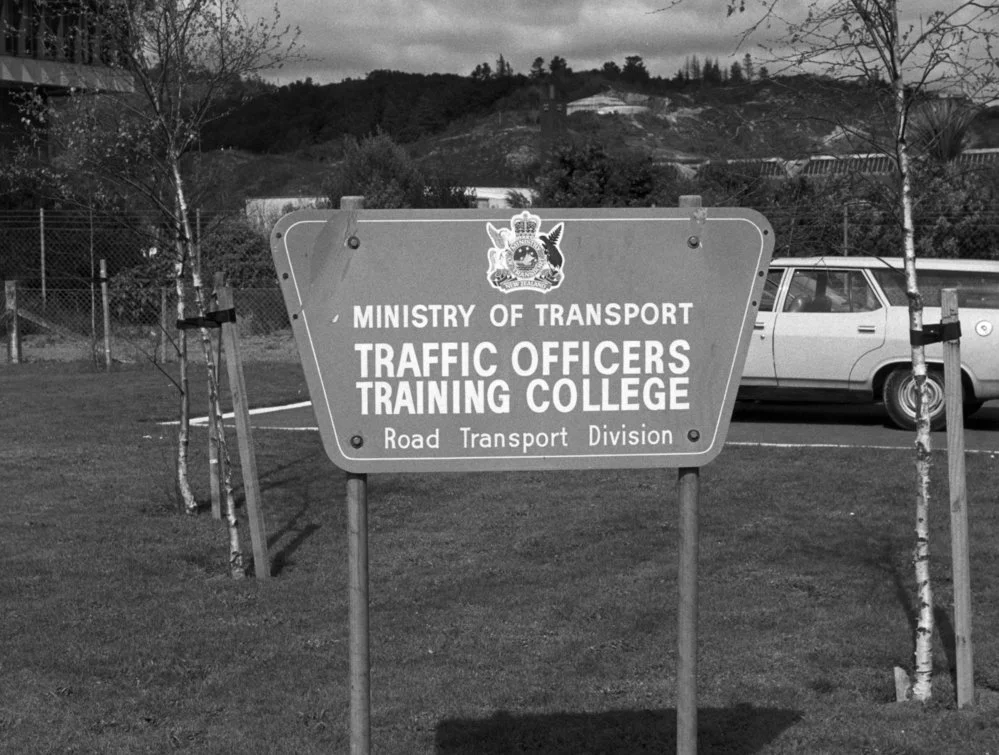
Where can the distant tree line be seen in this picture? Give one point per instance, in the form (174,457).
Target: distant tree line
(264,118)
(711,71)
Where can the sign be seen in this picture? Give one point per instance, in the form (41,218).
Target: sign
(468,340)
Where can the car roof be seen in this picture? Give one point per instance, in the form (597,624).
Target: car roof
(896,263)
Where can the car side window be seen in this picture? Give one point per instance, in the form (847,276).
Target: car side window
(770,288)
(974,288)
(830,291)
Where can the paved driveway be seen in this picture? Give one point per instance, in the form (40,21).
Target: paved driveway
(858,425)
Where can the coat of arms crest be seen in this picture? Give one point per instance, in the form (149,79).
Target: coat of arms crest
(522,257)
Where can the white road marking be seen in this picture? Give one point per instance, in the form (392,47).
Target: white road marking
(763,444)
(198,421)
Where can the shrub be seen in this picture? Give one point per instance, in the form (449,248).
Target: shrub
(134,293)
(590,176)
(388,178)
(242,252)
(379,170)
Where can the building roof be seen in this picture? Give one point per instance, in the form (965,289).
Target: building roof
(54,74)
(604,104)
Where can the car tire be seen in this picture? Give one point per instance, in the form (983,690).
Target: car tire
(900,398)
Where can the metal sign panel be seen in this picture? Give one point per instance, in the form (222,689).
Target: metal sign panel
(512,340)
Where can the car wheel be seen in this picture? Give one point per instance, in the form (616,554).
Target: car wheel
(900,398)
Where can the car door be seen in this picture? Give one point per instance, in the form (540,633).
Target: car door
(830,318)
(759,369)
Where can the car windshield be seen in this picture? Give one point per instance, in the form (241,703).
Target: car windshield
(974,289)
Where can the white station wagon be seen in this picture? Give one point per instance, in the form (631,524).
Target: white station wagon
(837,329)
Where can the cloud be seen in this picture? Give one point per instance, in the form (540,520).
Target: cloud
(350,38)
(347,38)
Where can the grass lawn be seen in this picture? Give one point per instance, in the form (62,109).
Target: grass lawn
(510,613)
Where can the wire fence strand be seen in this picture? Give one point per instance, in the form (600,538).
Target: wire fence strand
(55,257)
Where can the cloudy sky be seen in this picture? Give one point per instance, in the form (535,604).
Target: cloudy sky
(350,38)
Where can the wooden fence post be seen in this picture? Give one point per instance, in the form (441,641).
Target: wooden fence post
(960,556)
(161,349)
(106,304)
(13,322)
(41,248)
(247,456)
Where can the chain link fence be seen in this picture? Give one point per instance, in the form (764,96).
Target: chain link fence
(68,325)
(859,229)
(56,258)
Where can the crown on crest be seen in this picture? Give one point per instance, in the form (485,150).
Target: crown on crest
(525,225)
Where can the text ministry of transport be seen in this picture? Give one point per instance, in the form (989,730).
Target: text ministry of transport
(462,377)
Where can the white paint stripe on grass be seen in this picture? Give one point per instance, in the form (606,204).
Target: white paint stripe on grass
(770,444)
(302,428)
(263,410)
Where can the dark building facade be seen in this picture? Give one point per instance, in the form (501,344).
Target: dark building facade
(53,46)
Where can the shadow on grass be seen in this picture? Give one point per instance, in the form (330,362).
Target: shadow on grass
(948,638)
(282,558)
(302,532)
(289,477)
(741,730)
(941,617)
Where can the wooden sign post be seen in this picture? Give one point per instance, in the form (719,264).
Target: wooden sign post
(244,438)
(688,489)
(358,605)
(688,493)
(960,556)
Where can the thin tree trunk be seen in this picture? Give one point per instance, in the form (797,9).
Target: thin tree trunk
(190,505)
(237,567)
(922,683)
(214,472)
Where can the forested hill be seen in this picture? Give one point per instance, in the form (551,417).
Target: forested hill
(405,105)
(486,128)
(410,106)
